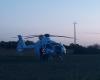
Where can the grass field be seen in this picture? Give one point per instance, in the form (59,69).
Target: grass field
(74,67)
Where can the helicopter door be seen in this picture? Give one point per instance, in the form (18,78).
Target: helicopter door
(57,49)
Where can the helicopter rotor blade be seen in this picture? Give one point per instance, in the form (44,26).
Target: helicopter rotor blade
(14,37)
(28,37)
(22,36)
(61,36)
(34,35)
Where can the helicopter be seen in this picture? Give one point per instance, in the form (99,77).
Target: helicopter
(44,47)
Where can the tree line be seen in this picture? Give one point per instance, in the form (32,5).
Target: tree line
(12,44)
(77,49)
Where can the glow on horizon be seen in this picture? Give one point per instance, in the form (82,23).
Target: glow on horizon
(50,16)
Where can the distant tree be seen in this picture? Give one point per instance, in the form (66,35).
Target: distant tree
(93,49)
(78,49)
(8,45)
(12,44)
(96,46)
(75,48)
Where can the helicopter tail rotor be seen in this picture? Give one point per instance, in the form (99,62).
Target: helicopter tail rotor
(21,44)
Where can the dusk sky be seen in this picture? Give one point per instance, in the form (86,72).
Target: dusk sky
(51,16)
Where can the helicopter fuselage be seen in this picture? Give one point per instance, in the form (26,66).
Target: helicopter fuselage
(44,46)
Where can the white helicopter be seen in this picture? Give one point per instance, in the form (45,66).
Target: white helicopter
(44,47)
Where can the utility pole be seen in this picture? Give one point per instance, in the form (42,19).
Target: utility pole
(74,32)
